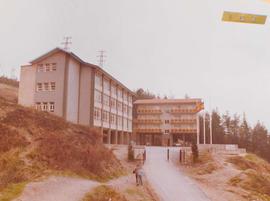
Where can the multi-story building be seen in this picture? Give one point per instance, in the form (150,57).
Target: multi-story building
(166,121)
(61,83)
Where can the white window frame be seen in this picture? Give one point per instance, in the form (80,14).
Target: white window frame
(52,86)
(46,86)
(52,106)
(39,86)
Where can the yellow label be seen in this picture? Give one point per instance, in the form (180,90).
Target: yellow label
(243,18)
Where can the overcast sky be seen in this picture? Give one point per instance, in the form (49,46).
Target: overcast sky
(172,47)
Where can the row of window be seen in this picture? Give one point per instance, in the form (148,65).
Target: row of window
(46,86)
(46,67)
(112,88)
(45,106)
(111,118)
(112,102)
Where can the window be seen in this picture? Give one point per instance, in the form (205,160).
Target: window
(39,86)
(40,68)
(119,121)
(51,106)
(38,106)
(167,121)
(97,96)
(105,116)
(106,100)
(112,119)
(44,106)
(97,115)
(119,106)
(46,86)
(113,90)
(53,66)
(106,85)
(98,80)
(167,131)
(130,99)
(47,67)
(113,103)
(120,93)
(125,108)
(52,86)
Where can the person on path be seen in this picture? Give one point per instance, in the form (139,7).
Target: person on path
(135,171)
(140,175)
(144,156)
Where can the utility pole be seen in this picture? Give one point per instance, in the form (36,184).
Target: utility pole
(204,128)
(101,58)
(66,43)
(211,134)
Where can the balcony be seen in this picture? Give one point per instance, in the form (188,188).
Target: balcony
(184,111)
(183,121)
(148,130)
(148,121)
(183,130)
(148,111)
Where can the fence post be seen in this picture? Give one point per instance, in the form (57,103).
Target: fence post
(180,156)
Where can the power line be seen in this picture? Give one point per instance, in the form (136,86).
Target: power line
(101,57)
(67,42)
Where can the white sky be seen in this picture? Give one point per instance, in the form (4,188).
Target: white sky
(170,47)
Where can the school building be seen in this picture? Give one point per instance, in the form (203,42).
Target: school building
(61,83)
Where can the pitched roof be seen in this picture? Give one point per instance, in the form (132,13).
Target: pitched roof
(168,101)
(58,49)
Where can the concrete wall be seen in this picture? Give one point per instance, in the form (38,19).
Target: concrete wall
(52,76)
(85,95)
(27,86)
(73,83)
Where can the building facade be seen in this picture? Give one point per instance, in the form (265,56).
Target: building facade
(61,83)
(162,122)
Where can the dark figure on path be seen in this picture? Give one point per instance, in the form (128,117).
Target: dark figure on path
(138,174)
(144,156)
(135,171)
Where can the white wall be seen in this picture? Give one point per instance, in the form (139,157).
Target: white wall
(27,86)
(73,90)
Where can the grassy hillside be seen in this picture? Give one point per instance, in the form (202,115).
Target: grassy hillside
(235,177)
(34,144)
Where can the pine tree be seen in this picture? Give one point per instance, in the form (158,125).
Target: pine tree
(217,128)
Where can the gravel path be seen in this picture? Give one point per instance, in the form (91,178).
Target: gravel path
(168,182)
(57,189)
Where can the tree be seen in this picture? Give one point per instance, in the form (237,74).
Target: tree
(195,152)
(245,134)
(217,128)
(142,94)
(259,141)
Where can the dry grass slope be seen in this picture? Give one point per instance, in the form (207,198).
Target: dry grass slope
(255,175)
(104,193)
(34,144)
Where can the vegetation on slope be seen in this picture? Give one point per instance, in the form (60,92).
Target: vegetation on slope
(8,81)
(104,193)
(255,175)
(34,144)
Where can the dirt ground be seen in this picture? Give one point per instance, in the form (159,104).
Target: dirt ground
(127,185)
(216,184)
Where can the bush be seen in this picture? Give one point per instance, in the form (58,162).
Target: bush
(195,152)
(130,153)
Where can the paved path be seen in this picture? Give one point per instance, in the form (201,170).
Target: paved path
(169,183)
(57,189)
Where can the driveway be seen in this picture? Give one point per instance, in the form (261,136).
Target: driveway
(167,180)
